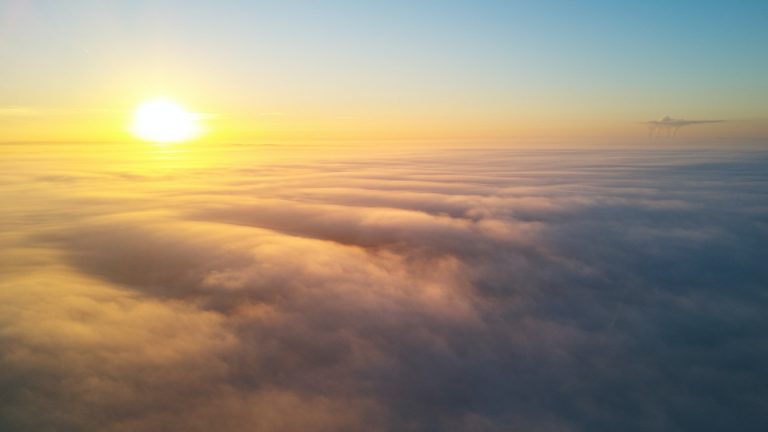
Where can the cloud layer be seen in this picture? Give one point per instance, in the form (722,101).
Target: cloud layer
(456,290)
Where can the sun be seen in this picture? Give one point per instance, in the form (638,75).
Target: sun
(162,120)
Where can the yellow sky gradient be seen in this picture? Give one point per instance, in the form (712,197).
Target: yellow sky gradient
(19,123)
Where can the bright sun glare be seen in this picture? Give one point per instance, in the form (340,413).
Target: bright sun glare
(164,121)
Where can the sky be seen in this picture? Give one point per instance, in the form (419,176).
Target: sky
(444,70)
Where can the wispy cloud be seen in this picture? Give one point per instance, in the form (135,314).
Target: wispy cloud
(669,126)
(18,111)
(29,111)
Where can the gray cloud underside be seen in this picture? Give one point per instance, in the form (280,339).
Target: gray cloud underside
(483,290)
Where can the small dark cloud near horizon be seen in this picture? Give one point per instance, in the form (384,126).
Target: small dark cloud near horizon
(668,126)
(460,291)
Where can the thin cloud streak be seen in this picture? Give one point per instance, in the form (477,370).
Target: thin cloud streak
(669,126)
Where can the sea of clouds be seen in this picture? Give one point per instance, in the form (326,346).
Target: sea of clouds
(433,290)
